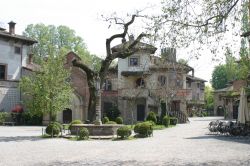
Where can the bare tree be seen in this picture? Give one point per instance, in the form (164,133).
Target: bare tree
(126,50)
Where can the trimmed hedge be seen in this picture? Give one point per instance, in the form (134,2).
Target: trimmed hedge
(75,122)
(52,129)
(111,122)
(173,120)
(105,120)
(119,120)
(151,117)
(144,129)
(166,121)
(83,134)
(124,132)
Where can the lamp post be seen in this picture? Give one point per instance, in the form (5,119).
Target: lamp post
(98,102)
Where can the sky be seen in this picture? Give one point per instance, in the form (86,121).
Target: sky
(85,18)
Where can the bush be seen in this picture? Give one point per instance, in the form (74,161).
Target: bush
(3,115)
(74,122)
(83,134)
(119,120)
(166,121)
(124,132)
(52,129)
(113,113)
(173,120)
(105,120)
(144,129)
(151,117)
(59,125)
(111,122)
(32,119)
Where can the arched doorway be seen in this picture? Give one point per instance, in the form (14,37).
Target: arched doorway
(220,111)
(67,115)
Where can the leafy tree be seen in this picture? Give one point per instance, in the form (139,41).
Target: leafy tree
(48,91)
(219,77)
(52,39)
(197,22)
(209,99)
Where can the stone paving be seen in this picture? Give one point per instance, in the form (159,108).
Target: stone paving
(186,144)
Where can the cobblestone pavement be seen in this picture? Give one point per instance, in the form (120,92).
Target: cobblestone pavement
(186,144)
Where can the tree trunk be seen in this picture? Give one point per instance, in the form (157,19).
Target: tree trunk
(92,104)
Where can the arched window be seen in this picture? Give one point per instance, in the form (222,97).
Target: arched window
(140,82)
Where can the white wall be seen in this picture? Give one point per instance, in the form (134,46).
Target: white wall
(13,61)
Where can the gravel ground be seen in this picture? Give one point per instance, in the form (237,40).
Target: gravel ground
(186,144)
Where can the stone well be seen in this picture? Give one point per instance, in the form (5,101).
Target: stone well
(96,130)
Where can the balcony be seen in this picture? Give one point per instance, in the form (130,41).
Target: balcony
(134,93)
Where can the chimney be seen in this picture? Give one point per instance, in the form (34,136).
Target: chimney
(169,54)
(30,58)
(12,27)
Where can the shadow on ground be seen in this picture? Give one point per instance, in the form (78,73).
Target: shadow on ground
(20,138)
(240,139)
(173,162)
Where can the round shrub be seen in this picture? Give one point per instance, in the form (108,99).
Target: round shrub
(59,125)
(166,121)
(83,134)
(111,122)
(124,132)
(151,117)
(105,120)
(119,120)
(173,120)
(52,129)
(143,129)
(74,122)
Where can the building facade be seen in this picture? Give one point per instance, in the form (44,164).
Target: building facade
(15,61)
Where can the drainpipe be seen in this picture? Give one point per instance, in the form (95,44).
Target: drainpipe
(21,71)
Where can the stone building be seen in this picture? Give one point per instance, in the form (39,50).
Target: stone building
(226,100)
(146,81)
(15,61)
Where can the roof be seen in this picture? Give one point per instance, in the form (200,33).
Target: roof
(227,89)
(24,39)
(170,65)
(196,78)
(32,67)
(140,45)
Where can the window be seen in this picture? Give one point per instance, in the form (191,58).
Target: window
(133,61)
(107,85)
(17,50)
(140,82)
(198,85)
(162,80)
(2,72)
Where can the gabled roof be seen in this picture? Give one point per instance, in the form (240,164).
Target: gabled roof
(24,39)
(196,78)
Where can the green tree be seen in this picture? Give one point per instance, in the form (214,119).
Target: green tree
(219,77)
(48,91)
(209,99)
(52,39)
